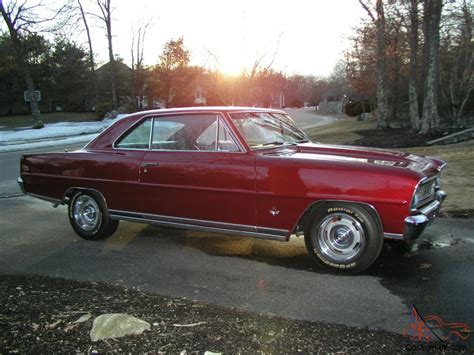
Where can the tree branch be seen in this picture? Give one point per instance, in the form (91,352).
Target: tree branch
(368,10)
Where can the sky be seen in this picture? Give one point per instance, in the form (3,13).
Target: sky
(303,36)
(297,36)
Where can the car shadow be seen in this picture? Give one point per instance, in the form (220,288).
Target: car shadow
(397,261)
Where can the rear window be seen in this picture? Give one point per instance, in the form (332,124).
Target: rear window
(137,138)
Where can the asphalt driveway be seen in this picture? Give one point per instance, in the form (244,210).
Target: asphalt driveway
(256,275)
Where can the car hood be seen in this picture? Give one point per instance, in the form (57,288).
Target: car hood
(363,155)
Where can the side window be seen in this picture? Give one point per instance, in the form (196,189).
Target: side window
(138,138)
(194,132)
(207,139)
(167,135)
(226,143)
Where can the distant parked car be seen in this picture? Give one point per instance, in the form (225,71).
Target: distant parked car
(243,171)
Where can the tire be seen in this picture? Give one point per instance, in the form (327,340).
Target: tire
(343,237)
(89,216)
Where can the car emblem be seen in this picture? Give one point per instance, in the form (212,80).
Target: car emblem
(274,211)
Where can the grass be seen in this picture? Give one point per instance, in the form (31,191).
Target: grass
(25,121)
(457,179)
(343,131)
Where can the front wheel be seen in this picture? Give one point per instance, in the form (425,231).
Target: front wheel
(343,237)
(89,217)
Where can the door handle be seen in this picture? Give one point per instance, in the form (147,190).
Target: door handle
(146,165)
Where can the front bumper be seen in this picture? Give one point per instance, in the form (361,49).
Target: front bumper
(21,183)
(416,224)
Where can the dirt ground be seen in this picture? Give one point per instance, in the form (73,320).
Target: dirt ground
(37,315)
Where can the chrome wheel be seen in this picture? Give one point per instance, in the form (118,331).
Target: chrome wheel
(340,237)
(86,213)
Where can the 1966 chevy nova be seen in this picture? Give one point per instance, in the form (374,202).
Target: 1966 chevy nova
(243,171)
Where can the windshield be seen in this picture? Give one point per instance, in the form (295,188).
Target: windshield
(263,129)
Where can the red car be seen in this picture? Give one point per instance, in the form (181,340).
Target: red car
(243,171)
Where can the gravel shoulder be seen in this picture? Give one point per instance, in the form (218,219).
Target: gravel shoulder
(37,315)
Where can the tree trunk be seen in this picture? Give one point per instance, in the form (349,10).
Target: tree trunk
(413,75)
(113,78)
(91,54)
(105,8)
(430,119)
(24,67)
(382,102)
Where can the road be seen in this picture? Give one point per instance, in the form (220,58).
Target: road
(10,168)
(261,276)
(308,118)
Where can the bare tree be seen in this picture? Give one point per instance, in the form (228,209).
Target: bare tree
(20,18)
(106,17)
(413,75)
(137,52)
(91,51)
(432,15)
(457,62)
(382,101)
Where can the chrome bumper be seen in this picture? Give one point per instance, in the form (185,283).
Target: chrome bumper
(416,224)
(21,183)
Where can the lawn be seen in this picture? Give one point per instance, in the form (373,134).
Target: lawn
(25,121)
(457,178)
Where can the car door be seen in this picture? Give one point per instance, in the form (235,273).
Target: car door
(196,171)
(119,168)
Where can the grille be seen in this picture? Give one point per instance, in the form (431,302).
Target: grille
(426,190)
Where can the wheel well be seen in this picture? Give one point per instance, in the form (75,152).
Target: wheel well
(302,223)
(73,190)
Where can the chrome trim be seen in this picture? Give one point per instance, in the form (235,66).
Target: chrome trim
(21,183)
(415,224)
(442,166)
(201,225)
(430,208)
(416,220)
(152,129)
(45,198)
(393,236)
(266,230)
(232,135)
(216,143)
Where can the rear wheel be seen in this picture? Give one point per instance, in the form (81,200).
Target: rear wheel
(89,216)
(343,237)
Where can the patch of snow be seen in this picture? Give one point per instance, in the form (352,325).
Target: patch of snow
(47,144)
(57,130)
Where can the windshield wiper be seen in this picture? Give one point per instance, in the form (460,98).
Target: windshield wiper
(273,143)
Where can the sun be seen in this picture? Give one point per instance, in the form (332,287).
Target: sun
(231,66)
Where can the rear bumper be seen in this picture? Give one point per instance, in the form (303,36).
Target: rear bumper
(416,224)
(21,183)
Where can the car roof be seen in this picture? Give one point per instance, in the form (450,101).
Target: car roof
(210,108)
(106,138)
